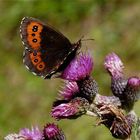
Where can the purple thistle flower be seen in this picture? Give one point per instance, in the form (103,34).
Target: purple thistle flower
(52,132)
(114,65)
(69,91)
(131,93)
(75,108)
(79,68)
(33,134)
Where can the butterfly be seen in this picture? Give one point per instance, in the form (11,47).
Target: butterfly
(47,51)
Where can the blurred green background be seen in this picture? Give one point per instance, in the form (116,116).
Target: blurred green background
(25,99)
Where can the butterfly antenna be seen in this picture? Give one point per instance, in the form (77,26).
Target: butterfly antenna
(87,39)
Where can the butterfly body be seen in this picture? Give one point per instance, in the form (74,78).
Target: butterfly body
(47,51)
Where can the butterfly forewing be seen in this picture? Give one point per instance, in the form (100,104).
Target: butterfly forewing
(46,49)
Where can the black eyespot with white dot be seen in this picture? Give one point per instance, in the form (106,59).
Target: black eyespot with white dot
(33,34)
(35,28)
(34,40)
(35,60)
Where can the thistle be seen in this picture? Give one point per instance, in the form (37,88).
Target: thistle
(114,66)
(71,110)
(80,96)
(52,132)
(79,70)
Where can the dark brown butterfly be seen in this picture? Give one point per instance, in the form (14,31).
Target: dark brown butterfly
(47,51)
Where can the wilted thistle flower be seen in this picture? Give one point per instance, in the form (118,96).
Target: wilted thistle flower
(131,93)
(114,119)
(71,110)
(79,68)
(114,66)
(52,132)
(33,134)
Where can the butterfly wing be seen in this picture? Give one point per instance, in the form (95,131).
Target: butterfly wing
(45,48)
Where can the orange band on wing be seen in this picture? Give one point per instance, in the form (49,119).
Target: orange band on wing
(34,29)
(35,58)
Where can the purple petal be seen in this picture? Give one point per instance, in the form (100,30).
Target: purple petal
(114,65)
(79,68)
(70,89)
(33,134)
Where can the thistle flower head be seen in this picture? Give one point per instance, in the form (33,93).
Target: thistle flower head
(69,91)
(114,65)
(33,134)
(73,109)
(52,132)
(79,68)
